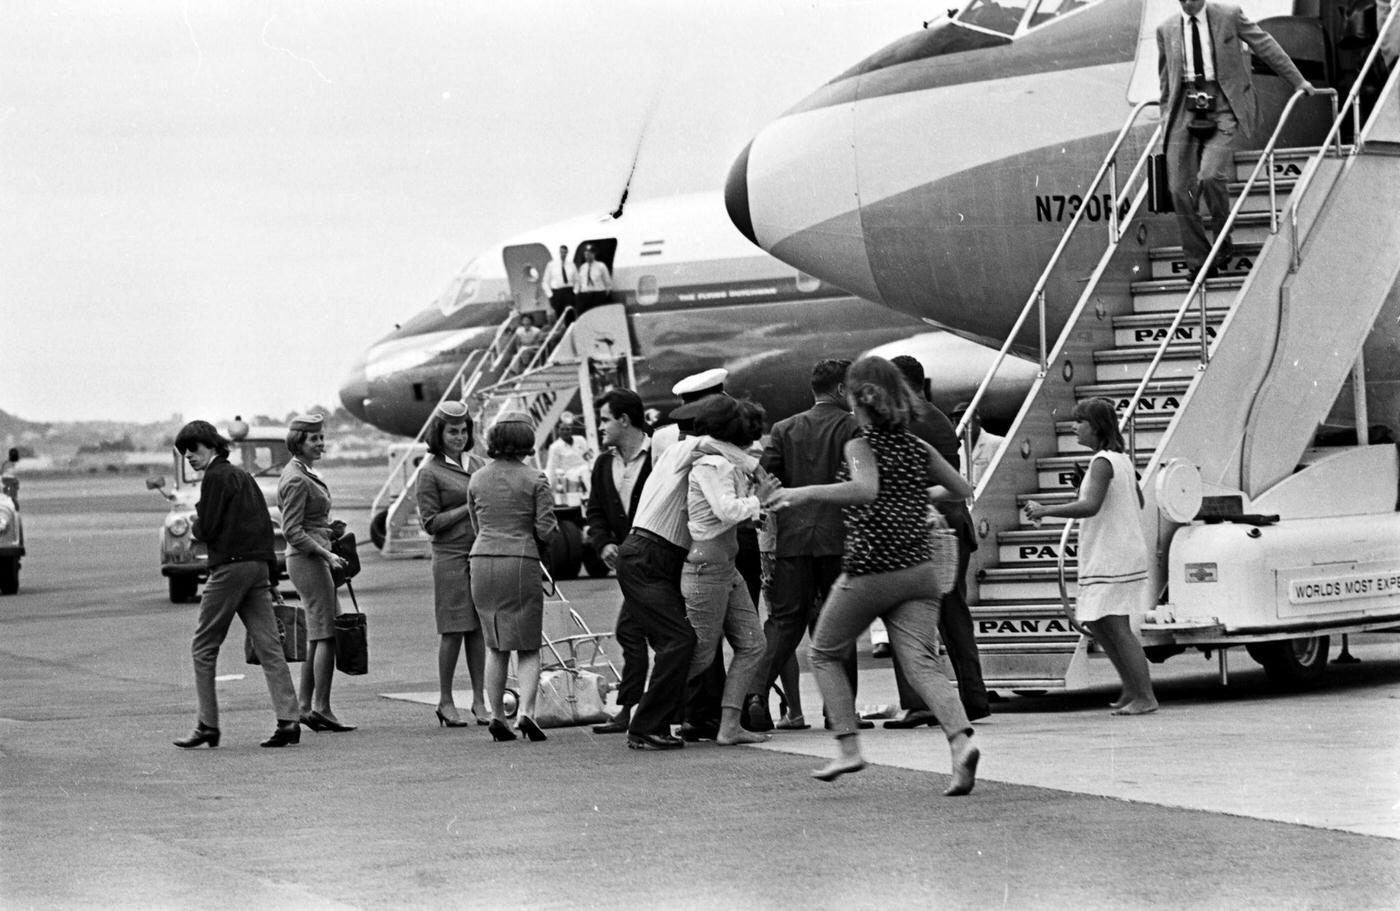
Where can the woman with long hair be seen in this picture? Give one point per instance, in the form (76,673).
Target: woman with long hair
(1112,576)
(512,511)
(887,569)
(305,501)
(442,508)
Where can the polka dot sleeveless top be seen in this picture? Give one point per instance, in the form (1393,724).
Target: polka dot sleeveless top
(892,532)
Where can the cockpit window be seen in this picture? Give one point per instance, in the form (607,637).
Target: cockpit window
(1009,17)
(462,290)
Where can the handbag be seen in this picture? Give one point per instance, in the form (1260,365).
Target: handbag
(1159,192)
(291,627)
(351,639)
(943,540)
(569,697)
(346,547)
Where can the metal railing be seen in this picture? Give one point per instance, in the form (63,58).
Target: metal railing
(1128,421)
(1353,104)
(1036,300)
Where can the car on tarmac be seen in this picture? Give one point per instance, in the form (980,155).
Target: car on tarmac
(11,543)
(184,562)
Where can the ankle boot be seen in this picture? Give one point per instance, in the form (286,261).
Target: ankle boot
(287,732)
(201,735)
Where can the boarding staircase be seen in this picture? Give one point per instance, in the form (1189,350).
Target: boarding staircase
(394,524)
(1225,377)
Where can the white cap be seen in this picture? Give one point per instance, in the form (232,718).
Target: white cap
(698,384)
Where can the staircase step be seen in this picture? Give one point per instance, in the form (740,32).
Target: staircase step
(1131,363)
(1151,328)
(1059,472)
(1037,583)
(1162,396)
(1288,163)
(1170,262)
(1150,428)
(1166,295)
(1035,547)
(1022,625)
(1258,198)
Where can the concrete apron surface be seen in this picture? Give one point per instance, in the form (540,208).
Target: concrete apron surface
(1239,750)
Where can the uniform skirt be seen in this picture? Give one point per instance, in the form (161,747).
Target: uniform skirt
(509,601)
(311,576)
(452,593)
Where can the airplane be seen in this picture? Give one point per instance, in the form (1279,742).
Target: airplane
(696,295)
(937,175)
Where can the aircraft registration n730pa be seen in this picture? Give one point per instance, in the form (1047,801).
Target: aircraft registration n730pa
(696,294)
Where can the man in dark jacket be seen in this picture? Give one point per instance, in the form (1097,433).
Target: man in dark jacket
(618,476)
(233,522)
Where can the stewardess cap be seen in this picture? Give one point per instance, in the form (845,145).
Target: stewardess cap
(515,417)
(310,423)
(451,412)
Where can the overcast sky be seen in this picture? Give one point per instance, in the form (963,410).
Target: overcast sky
(211,208)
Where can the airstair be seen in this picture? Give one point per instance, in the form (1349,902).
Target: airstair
(1221,384)
(579,352)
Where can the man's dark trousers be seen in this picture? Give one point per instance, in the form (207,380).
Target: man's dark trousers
(649,573)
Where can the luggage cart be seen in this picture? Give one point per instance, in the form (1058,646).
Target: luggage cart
(566,643)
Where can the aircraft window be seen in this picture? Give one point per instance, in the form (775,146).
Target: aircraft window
(806,283)
(1004,18)
(648,291)
(462,289)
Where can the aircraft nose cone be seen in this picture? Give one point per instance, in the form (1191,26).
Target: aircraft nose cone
(794,191)
(736,195)
(355,390)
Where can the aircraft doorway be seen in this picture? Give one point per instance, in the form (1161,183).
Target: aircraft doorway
(525,267)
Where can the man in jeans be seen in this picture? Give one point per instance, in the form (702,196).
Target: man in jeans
(233,522)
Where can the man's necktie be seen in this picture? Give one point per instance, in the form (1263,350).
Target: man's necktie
(1198,57)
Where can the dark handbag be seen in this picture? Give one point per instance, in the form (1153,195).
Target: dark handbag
(291,626)
(345,547)
(351,641)
(1159,192)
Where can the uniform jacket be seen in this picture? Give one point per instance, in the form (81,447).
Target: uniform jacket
(1230,32)
(442,485)
(305,502)
(512,510)
(609,519)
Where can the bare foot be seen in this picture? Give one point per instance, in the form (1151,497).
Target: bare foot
(1120,702)
(1137,707)
(728,738)
(964,772)
(842,765)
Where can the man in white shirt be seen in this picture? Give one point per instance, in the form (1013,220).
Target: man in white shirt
(984,444)
(592,281)
(559,278)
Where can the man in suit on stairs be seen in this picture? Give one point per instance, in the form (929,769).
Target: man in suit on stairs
(1208,98)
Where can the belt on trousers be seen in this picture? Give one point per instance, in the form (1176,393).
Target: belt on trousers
(653,536)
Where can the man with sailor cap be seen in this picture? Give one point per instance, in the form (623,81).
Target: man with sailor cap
(649,564)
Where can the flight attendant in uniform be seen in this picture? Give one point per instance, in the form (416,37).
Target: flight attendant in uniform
(443,510)
(305,501)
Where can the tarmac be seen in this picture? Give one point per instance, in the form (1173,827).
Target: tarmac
(1229,797)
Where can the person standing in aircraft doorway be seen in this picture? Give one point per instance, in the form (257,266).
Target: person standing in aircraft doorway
(1207,97)
(559,278)
(592,281)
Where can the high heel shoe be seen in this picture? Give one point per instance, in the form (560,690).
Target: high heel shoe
(286,733)
(500,731)
(313,721)
(201,735)
(445,722)
(483,722)
(330,724)
(530,729)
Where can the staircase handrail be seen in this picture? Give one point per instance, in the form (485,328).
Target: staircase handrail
(1335,135)
(1064,585)
(1198,285)
(1037,295)
(477,356)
